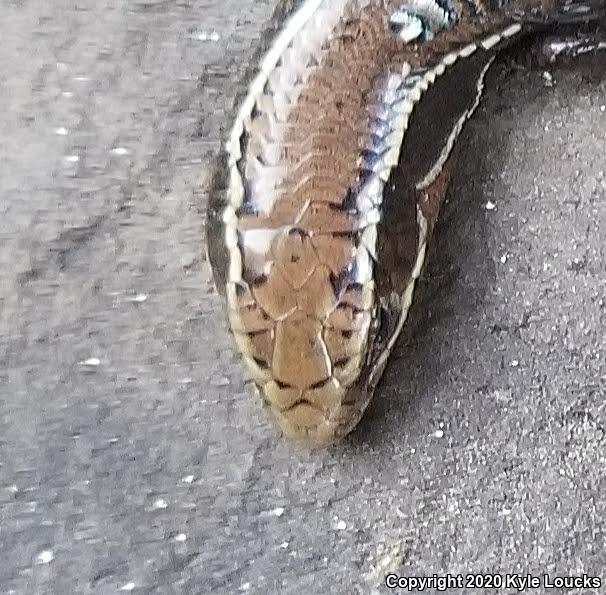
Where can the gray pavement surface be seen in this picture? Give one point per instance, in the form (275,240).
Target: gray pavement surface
(133,457)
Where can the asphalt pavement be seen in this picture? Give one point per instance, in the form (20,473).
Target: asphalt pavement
(133,456)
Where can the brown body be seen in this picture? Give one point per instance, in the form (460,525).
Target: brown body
(334,180)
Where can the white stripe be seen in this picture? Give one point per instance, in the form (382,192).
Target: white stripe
(511,31)
(435,170)
(406,296)
(491,41)
(468,51)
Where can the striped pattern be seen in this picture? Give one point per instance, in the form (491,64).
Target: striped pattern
(314,151)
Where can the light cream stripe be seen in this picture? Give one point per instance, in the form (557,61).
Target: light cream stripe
(434,172)
(406,296)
